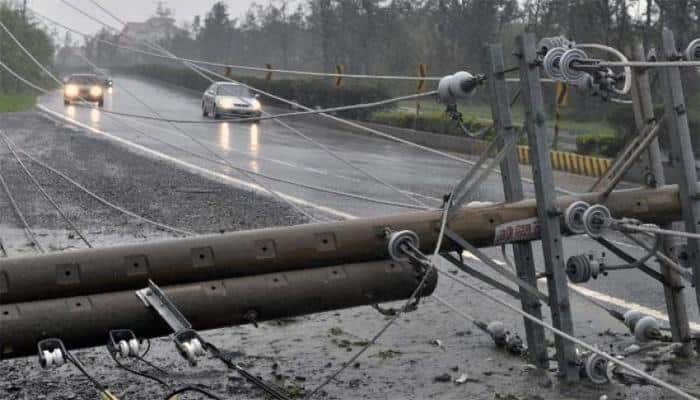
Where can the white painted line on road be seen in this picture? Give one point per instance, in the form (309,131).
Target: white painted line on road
(625,304)
(588,292)
(471,256)
(196,168)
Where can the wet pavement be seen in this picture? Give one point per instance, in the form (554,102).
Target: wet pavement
(298,353)
(276,151)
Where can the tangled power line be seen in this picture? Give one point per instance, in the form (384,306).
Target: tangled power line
(403,245)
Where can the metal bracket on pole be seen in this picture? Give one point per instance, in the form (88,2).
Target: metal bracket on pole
(547,212)
(513,191)
(682,157)
(153,296)
(673,292)
(187,341)
(624,256)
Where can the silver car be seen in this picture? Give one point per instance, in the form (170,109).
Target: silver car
(230,99)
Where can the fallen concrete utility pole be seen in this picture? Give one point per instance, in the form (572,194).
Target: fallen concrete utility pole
(128,267)
(86,321)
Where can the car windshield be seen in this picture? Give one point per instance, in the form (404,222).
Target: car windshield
(233,90)
(83,80)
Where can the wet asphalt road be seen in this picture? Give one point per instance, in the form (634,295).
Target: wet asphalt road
(273,150)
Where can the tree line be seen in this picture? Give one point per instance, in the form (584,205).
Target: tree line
(37,41)
(379,36)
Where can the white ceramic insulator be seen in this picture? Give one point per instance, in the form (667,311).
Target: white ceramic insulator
(197,346)
(48,359)
(58,358)
(451,88)
(123,348)
(134,347)
(189,351)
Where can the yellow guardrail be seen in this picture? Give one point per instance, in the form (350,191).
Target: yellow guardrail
(571,162)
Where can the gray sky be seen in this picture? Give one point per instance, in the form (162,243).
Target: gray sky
(130,10)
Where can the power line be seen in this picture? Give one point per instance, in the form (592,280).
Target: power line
(27,229)
(103,200)
(259,69)
(276,116)
(247,176)
(365,128)
(339,120)
(273,178)
(22,79)
(574,339)
(291,182)
(10,146)
(296,131)
(28,53)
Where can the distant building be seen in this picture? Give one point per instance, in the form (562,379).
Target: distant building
(155,29)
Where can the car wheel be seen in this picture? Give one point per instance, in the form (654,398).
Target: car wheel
(101,103)
(204,110)
(215,112)
(66,102)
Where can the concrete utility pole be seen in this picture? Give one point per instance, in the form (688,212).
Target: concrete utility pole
(85,321)
(673,291)
(547,211)
(682,157)
(513,190)
(223,256)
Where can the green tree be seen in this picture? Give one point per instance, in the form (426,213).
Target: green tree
(37,42)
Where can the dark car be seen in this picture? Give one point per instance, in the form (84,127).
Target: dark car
(84,87)
(228,98)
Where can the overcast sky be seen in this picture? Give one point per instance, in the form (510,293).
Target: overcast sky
(140,10)
(130,10)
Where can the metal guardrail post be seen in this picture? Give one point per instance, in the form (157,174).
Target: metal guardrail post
(513,191)
(673,292)
(547,211)
(682,157)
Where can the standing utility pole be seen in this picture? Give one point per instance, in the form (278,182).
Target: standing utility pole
(682,158)
(673,287)
(547,211)
(513,190)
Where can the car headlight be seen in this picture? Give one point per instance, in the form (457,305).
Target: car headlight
(72,90)
(224,103)
(95,91)
(256,105)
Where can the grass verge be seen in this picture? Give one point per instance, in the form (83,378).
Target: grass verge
(16,102)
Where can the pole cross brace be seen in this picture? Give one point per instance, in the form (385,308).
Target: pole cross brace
(482,277)
(498,268)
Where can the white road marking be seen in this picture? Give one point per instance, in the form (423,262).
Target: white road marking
(198,169)
(627,305)
(588,292)
(473,257)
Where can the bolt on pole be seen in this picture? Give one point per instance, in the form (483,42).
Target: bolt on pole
(513,191)
(547,211)
(673,291)
(682,157)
